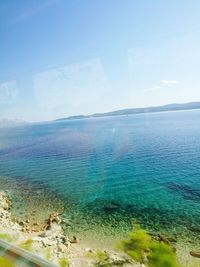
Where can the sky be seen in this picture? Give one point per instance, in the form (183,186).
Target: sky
(61,58)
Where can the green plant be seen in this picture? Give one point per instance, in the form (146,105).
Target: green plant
(141,247)
(162,255)
(6,237)
(64,262)
(102,259)
(5,262)
(48,254)
(27,245)
(137,245)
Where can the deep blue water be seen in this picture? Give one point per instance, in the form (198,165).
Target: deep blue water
(110,170)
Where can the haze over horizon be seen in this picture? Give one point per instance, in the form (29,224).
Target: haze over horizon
(61,58)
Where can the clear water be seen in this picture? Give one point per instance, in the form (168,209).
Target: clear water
(108,171)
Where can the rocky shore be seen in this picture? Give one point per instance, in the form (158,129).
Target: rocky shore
(50,242)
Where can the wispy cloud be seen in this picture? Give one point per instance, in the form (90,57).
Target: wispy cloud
(8,92)
(170,82)
(163,84)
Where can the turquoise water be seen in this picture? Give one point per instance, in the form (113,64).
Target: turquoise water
(110,170)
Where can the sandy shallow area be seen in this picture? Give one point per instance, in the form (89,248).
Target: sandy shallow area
(45,237)
(48,239)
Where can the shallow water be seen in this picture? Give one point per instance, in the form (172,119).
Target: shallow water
(107,171)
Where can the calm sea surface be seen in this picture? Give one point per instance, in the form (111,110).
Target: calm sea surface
(108,171)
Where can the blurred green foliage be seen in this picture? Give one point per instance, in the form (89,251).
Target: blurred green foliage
(64,262)
(161,255)
(6,237)
(102,259)
(27,245)
(137,245)
(6,263)
(141,247)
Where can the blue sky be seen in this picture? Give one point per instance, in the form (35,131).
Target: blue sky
(60,58)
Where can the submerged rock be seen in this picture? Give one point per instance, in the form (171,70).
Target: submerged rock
(164,239)
(195,254)
(111,207)
(186,191)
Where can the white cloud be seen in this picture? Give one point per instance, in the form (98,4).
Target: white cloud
(8,92)
(162,85)
(71,89)
(170,82)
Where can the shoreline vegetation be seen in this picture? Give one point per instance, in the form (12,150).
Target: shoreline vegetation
(49,241)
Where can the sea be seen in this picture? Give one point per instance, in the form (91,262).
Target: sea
(107,174)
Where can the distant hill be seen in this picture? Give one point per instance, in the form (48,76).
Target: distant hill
(130,111)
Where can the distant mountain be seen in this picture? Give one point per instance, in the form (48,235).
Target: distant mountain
(11,122)
(130,111)
(75,117)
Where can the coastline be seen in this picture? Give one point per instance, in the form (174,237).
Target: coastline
(49,240)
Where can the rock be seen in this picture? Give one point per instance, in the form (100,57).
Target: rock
(26,229)
(44,234)
(4,205)
(73,240)
(111,207)
(195,254)
(21,223)
(54,218)
(172,239)
(48,242)
(5,201)
(55,228)
(89,250)
(63,239)
(61,248)
(164,239)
